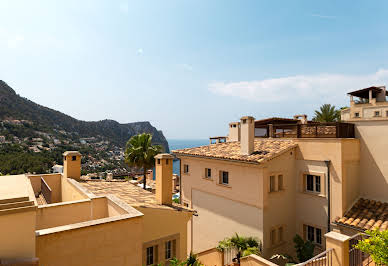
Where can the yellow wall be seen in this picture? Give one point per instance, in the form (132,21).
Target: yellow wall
(161,223)
(63,213)
(279,206)
(70,192)
(72,169)
(17,234)
(113,243)
(211,257)
(54,182)
(373,159)
(243,196)
(35,183)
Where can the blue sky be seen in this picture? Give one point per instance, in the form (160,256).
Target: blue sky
(191,67)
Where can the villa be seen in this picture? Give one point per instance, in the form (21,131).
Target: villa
(59,219)
(278,177)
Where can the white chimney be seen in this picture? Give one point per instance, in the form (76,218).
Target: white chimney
(234,131)
(247,131)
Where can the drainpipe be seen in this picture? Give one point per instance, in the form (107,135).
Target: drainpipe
(180,181)
(327,162)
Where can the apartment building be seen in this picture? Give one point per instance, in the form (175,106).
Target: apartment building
(276,177)
(59,219)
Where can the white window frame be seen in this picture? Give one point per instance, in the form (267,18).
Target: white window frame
(315,239)
(315,177)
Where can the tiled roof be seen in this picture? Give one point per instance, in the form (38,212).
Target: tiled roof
(264,149)
(129,193)
(366,214)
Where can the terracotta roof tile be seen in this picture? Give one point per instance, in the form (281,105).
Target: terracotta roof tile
(264,149)
(366,214)
(129,193)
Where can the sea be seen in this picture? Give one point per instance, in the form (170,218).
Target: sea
(176,144)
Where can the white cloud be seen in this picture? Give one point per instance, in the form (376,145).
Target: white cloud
(323,16)
(301,88)
(124,7)
(139,51)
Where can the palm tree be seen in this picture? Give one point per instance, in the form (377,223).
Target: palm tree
(244,245)
(327,113)
(140,153)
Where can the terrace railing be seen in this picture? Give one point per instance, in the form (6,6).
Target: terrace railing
(311,130)
(323,259)
(356,256)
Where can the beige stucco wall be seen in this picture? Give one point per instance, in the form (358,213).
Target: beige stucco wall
(279,206)
(343,154)
(211,257)
(17,234)
(162,223)
(35,183)
(219,218)
(222,210)
(373,159)
(112,243)
(63,213)
(254,260)
(69,192)
(244,181)
(54,182)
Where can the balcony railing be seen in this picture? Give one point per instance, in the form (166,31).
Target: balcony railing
(311,130)
(323,259)
(356,256)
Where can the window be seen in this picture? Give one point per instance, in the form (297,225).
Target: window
(386,113)
(313,234)
(272,183)
(208,173)
(74,158)
(357,114)
(280,182)
(150,253)
(224,178)
(377,113)
(158,161)
(168,250)
(313,183)
(273,237)
(185,168)
(166,161)
(280,234)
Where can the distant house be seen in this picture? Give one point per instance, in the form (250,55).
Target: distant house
(57,169)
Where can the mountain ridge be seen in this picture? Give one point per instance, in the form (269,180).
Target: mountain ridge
(16,107)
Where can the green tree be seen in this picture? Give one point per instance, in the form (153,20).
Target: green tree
(376,246)
(140,153)
(245,246)
(327,113)
(304,251)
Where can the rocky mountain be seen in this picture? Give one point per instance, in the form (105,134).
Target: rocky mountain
(15,107)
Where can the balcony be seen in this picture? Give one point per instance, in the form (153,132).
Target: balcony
(310,130)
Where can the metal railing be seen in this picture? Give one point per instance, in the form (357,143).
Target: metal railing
(356,256)
(323,259)
(46,191)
